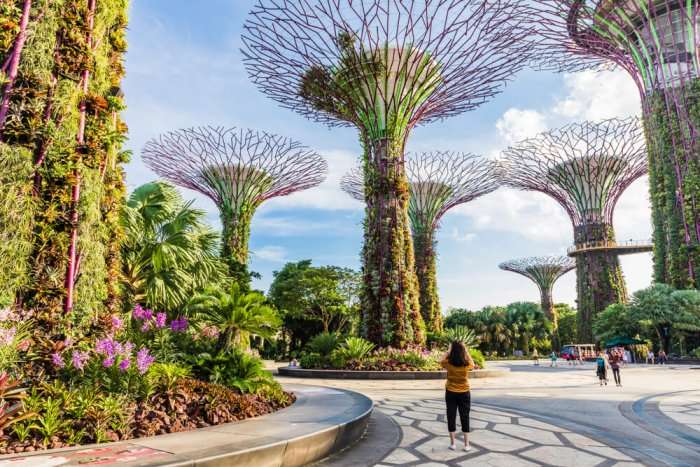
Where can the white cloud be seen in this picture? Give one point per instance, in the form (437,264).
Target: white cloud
(598,96)
(271,253)
(461,237)
(517,124)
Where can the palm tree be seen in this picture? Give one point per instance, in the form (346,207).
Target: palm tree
(169,252)
(236,314)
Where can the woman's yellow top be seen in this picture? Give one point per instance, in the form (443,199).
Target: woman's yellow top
(457,380)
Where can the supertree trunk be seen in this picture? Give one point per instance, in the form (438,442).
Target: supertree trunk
(547,304)
(390,291)
(426,271)
(235,238)
(599,279)
(670,118)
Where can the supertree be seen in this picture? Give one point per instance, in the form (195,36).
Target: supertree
(656,42)
(438,181)
(585,167)
(238,169)
(385,66)
(543,271)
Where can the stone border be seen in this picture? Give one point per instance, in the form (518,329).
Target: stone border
(321,422)
(388,375)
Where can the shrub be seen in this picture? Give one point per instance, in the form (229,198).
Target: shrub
(478,357)
(165,376)
(696,353)
(311,360)
(354,348)
(461,334)
(324,344)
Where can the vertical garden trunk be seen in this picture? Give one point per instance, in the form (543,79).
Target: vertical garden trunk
(236,234)
(13,63)
(599,280)
(426,271)
(547,305)
(672,118)
(390,306)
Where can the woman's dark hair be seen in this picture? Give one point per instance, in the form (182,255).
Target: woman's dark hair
(458,354)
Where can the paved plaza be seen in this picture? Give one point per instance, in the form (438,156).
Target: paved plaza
(536,416)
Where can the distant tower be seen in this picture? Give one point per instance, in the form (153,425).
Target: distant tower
(238,169)
(585,167)
(656,42)
(543,271)
(438,181)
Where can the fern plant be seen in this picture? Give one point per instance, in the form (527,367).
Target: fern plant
(462,334)
(355,348)
(324,344)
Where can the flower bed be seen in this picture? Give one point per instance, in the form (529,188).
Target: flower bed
(144,375)
(356,354)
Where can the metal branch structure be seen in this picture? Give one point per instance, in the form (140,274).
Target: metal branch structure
(543,271)
(385,66)
(585,167)
(656,42)
(438,181)
(238,169)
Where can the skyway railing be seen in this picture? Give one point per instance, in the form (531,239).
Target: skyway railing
(608,245)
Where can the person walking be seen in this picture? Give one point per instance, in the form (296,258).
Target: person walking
(536,357)
(662,357)
(553,357)
(602,368)
(615,362)
(650,357)
(458,362)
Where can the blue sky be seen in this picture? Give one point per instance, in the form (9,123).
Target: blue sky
(184,69)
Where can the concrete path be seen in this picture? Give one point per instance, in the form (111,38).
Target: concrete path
(539,416)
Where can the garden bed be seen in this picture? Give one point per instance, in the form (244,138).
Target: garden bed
(388,375)
(190,405)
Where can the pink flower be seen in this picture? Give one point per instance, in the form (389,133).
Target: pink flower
(57,360)
(106,347)
(24,345)
(142,313)
(160,320)
(108,362)
(179,325)
(144,360)
(212,332)
(7,336)
(78,359)
(117,323)
(124,364)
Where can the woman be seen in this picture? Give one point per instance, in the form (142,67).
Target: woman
(602,368)
(536,357)
(615,362)
(458,362)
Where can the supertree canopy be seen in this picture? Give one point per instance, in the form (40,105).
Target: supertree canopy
(543,271)
(384,66)
(656,42)
(438,181)
(238,169)
(585,167)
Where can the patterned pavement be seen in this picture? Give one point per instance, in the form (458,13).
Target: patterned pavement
(498,438)
(683,408)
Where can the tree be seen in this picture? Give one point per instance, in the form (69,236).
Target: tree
(666,311)
(327,294)
(168,253)
(567,323)
(615,321)
(527,321)
(236,314)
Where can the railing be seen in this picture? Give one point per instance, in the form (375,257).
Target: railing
(609,245)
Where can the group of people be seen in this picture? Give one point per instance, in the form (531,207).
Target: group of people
(660,359)
(612,360)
